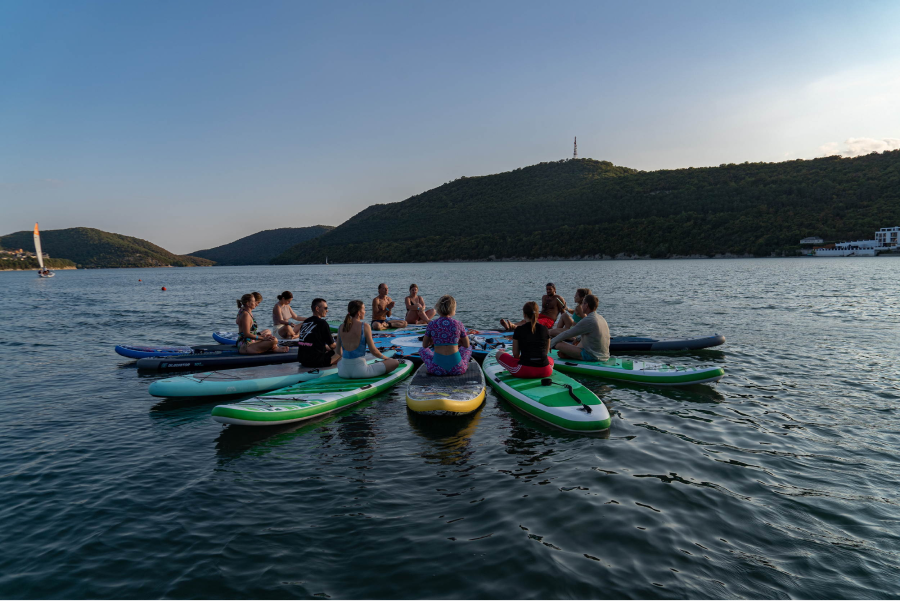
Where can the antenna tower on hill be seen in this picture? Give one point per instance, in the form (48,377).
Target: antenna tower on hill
(575,154)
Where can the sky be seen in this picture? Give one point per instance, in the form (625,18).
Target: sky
(192,124)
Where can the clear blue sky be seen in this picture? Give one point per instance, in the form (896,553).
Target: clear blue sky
(191,124)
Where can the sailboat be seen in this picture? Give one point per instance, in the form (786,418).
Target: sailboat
(42,272)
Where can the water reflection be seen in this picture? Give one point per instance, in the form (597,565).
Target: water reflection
(449,439)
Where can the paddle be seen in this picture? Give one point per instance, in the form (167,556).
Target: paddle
(550,382)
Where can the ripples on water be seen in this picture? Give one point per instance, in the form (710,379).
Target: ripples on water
(780,481)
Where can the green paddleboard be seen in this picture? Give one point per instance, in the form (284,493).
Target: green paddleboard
(550,404)
(640,372)
(307,400)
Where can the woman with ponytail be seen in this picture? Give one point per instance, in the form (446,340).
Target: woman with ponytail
(451,353)
(353,337)
(531,343)
(250,340)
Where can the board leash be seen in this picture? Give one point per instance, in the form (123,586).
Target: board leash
(568,387)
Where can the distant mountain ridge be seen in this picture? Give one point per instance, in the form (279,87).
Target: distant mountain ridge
(261,247)
(583,208)
(92,248)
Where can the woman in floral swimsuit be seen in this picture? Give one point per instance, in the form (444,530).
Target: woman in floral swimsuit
(451,352)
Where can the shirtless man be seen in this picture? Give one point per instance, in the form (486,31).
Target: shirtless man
(382,305)
(551,306)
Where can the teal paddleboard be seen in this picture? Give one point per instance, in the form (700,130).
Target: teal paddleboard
(247,380)
(553,403)
(308,399)
(639,372)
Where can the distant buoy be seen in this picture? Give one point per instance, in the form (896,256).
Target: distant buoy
(140,280)
(163,287)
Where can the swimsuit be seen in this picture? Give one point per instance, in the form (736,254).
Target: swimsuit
(446,331)
(545,320)
(353,364)
(243,340)
(359,351)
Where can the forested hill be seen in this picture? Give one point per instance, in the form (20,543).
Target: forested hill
(91,248)
(261,247)
(587,208)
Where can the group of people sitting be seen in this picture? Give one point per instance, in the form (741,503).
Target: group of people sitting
(576,333)
(446,349)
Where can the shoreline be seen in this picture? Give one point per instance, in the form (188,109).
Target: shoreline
(35,269)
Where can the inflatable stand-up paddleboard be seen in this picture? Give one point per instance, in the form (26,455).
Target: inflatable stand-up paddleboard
(229,360)
(334,325)
(307,400)
(446,395)
(247,380)
(408,347)
(549,400)
(216,362)
(639,372)
(134,351)
(622,344)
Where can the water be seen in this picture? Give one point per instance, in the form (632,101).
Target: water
(779,482)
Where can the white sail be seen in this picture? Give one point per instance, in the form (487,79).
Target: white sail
(37,247)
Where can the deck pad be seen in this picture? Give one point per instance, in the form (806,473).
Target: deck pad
(445,395)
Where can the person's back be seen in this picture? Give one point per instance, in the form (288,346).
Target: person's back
(531,343)
(354,336)
(595,338)
(451,353)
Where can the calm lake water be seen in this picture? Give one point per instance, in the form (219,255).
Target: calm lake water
(782,481)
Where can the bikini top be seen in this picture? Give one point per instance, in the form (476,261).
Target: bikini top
(253,327)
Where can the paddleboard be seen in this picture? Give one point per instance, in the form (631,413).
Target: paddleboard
(641,372)
(229,359)
(247,380)
(446,395)
(551,404)
(134,351)
(408,347)
(307,400)
(334,325)
(622,344)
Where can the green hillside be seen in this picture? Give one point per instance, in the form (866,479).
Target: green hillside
(91,248)
(261,247)
(588,208)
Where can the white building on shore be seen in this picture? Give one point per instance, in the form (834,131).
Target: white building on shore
(886,239)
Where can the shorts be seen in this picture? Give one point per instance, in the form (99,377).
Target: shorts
(435,368)
(546,321)
(383,322)
(586,356)
(354,369)
(524,371)
(323,360)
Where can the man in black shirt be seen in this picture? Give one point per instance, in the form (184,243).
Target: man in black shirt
(315,344)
